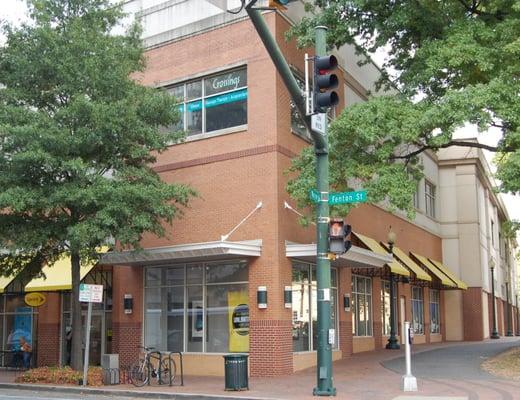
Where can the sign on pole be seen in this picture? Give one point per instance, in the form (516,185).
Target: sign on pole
(90,294)
(318,122)
(341,197)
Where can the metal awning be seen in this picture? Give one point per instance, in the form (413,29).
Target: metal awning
(394,266)
(5,281)
(185,252)
(434,270)
(446,271)
(409,263)
(356,257)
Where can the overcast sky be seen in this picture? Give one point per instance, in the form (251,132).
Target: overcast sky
(15,11)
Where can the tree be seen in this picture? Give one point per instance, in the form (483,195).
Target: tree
(457,62)
(78,136)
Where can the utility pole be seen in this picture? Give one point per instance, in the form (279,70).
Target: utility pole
(324,385)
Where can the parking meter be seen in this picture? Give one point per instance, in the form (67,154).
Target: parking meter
(410,335)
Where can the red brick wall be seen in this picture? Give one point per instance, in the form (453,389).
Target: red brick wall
(426,296)
(443,314)
(127,328)
(500,316)
(269,342)
(472,311)
(377,318)
(346,341)
(48,347)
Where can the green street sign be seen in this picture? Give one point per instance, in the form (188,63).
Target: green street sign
(341,197)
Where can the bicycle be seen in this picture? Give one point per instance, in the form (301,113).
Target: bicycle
(144,369)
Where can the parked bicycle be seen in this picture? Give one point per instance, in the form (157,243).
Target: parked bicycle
(152,366)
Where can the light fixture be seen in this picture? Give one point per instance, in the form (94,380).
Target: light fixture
(287,296)
(261,296)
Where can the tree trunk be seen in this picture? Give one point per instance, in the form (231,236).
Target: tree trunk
(77,331)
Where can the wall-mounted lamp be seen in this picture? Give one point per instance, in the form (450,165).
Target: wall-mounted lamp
(287,296)
(128,303)
(346,302)
(261,296)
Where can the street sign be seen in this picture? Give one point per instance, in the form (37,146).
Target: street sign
(341,197)
(318,122)
(91,293)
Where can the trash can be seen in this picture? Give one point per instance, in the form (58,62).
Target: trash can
(235,371)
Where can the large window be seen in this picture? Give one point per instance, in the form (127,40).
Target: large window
(385,305)
(417,310)
(212,103)
(361,306)
(305,307)
(429,198)
(435,319)
(197,307)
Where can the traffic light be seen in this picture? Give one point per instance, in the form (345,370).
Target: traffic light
(324,82)
(280,4)
(338,233)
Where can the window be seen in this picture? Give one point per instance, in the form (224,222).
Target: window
(197,307)
(361,306)
(385,306)
(429,198)
(212,103)
(416,198)
(493,233)
(417,310)
(435,321)
(305,307)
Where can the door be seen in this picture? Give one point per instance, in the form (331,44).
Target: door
(97,336)
(402,314)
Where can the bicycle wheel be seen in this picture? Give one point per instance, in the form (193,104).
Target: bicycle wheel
(166,373)
(139,373)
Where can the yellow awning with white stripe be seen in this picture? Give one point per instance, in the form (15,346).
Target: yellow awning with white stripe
(5,281)
(372,245)
(410,264)
(445,270)
(434,270)
(58,276)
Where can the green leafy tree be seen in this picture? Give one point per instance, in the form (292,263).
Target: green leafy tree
(456,62)
(78,136)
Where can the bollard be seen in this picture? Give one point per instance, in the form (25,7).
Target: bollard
(408,381)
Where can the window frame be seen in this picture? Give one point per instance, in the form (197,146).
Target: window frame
(385,294)
(435,301)
(430,193)
(368,306)
(417,303)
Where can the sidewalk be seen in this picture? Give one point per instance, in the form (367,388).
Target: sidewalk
(360,377)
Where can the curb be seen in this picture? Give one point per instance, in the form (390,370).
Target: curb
(123,393)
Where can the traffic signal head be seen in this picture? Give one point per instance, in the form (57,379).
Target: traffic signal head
(338,232)
(324,82)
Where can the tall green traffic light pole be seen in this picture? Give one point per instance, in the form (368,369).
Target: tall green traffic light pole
(324,385)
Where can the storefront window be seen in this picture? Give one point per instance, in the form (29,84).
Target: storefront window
(212,103)
(435,321)
(305,304)
(417,310)
(213,316)
(361,306)
(385,306)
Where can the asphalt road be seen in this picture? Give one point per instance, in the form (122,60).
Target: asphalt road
(454,362)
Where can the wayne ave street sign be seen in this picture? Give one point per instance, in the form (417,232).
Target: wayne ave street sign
(91,293)
(341,197)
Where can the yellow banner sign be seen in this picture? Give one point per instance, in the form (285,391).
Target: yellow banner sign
(35,299)
(238,317)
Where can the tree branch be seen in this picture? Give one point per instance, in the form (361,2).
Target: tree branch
(462,143)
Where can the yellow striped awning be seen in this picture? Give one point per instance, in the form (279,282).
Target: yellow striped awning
(372,245)
(434,270)
(58,276)
(5,281)
(410,264)
(445,270)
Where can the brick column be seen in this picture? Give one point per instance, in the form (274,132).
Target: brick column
(48,346)
(127,328)
(472,306)
(346,341)
(426,306)
(377,318)
(442,310)
(500,316)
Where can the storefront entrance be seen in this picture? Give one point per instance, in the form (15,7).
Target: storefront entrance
(97,337)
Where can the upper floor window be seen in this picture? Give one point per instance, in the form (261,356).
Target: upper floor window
(416,197)
(212,103)
(493,233)
(429,198)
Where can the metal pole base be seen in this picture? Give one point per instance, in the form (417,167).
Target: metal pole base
(326,392)
(509,333)
(494,335)
(393,343)
(408,383)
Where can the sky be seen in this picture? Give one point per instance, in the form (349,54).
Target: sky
(14,11)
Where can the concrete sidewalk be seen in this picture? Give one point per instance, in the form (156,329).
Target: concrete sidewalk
(360,377)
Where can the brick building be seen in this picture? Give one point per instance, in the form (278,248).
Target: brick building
(196,290)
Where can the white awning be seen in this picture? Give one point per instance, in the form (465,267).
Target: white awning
(185,252)
(356,257)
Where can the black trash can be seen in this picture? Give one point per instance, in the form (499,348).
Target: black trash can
(235,371)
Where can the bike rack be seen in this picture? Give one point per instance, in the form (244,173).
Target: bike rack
(170,360)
